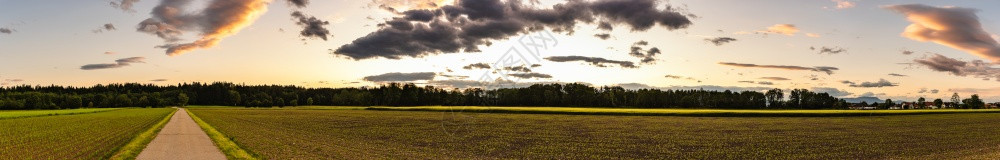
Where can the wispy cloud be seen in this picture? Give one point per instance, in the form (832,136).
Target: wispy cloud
(401,77)
(824,69)
(719,41)
(974,68)
(596,61)
(118,63)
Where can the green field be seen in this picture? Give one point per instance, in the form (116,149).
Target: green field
(35,113)
(78,136)
(367,134)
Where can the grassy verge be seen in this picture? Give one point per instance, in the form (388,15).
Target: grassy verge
(38,113)
(680,112)
(228,147)
(134,147)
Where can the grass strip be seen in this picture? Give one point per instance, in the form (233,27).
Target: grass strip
(40,113)
(228,147)
(134,147)
(680,112)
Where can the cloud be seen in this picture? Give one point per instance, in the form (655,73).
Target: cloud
(468,24)
(110,53)
(518,69)
(878,84)
(673,76)
(719,41)
(312,27)
(124,5)
(829,50)
(118,63)
(603,36)
(394,5)
(814,35)
(981,91)
(401,77)
(648,56)
(832,91)
(786,29)
(105,27)
(935,91)
(298,3)
(824,69)
(955,27)
(844,4)
(974,68)
(477,66)
(897,75)
(6,30)
(221,19)
(870,94)
(907,52)
(775,78)
(765,83)
(596,61)
(530,75)
(847,82)
(159,80)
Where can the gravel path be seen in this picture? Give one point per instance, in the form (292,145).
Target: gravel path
(181,139)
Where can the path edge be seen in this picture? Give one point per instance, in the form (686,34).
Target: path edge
(139,142)
(226,145)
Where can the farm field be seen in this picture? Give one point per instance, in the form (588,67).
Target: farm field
(78,136)
(35,113)
(679,112)
(367,134)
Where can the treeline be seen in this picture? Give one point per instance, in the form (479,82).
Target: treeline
(395,94)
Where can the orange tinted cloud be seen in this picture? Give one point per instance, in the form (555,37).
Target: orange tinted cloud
(954,27)
(220,19)
(786,29)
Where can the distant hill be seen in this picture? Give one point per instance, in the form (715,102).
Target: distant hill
(863,99)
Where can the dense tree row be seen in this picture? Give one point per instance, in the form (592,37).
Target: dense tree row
(394,94)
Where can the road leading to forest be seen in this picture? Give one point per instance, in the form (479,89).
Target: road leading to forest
(181,138)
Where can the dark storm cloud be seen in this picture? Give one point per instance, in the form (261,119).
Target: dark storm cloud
(401,77)
(124,5)
(719,41)
(530,75)
(824,69)
(221,19)
(470,23)
(775,78)
(603,36)
(596,61)
(877,84)
(897,75)
(6,30)
(118,63)
(312,27)
(477,66)
(955,27)
(975,68)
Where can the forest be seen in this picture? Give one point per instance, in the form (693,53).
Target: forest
(398,94)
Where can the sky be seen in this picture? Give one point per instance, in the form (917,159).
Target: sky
(849,48)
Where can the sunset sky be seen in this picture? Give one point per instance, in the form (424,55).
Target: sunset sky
(849,48)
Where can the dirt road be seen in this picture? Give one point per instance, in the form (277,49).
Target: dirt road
(180,139)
